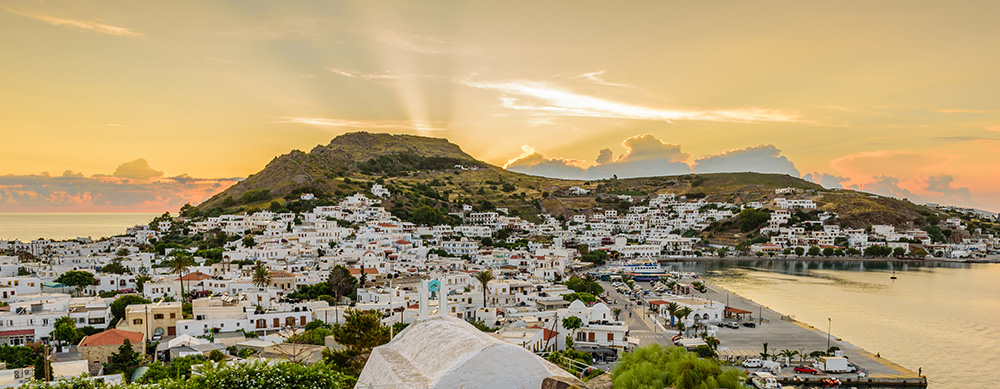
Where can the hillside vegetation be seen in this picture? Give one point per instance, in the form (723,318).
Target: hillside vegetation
(423,172)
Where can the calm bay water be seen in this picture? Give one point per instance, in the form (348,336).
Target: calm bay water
(942,317)
(29,226)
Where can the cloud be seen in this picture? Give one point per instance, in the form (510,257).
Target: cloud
(363,124)
(423,44)
(77,193)
(992,128)
(826,180)
(942,184)
(532,162)
(544,99)
(962,110)
(138,169)
(370,76)
(763,159)
(644,156)
(888,186)
(596,78)
(70,173)
(83,25)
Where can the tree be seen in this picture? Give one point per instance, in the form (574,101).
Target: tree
(341,282)
(118,306)
(261,276)
(700,287)
(572,323)
(898,252)
(672,309)
(814,251)
(751,219)
(217,356)
(362,330)
(582,296)
(115,267)
(919,253)
(617,311)
(681,315)
(249,242)
(788,354)
(484,277)
(126,360)
(657,366)
(65,331)
(180,265)
(76,278)
(799,251)
(828,251)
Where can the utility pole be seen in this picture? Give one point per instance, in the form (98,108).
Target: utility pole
(48,374)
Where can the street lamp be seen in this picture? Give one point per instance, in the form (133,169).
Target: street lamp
(829,324)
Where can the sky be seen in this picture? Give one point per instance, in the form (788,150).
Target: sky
(143,106)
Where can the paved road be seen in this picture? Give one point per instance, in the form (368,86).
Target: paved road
(645,332)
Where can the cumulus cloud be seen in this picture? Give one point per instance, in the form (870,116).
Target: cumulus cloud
(644,156)
(76,193)
(534,163)
(138,169)
(826,180)
(762,159)
(134,187)
(888,186)
(942,184)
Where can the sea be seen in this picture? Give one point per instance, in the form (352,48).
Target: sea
(60,226)
(940,317)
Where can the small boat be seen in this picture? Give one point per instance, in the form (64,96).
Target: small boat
(764,380)
(893,275)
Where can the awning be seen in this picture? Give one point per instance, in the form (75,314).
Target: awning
(17,333)
(737,311)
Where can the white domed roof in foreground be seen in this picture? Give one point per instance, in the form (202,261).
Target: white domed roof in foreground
(447,352)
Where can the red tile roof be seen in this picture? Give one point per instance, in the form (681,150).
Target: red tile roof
(111,337)
(368,270)
(196,276)
(17,332)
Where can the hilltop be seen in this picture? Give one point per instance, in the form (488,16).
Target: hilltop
(433,172)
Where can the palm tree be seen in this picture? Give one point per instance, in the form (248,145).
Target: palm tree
(683,314)
(617,311)
(672,310)
(484,277)
(680,329)
(788,354)
(180,266)
(261,276)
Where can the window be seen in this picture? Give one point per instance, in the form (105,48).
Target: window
(158,316)
(136,321)
(611,337)
(591,337)
(173,315)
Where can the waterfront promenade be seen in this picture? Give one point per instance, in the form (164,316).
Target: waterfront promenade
(777,330)
(790,334)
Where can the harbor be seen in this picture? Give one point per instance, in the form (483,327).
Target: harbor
(771,329)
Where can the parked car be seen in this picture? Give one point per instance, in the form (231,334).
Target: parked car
(753,363)
(806,369)
(750,324)
(734,325)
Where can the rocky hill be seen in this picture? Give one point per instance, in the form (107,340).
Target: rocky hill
(432,172)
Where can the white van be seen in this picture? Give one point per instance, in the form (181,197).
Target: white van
(753,363)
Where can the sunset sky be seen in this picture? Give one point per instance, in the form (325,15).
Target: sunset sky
(143,106)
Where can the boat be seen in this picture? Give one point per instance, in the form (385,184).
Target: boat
(764,380)
(642,267)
